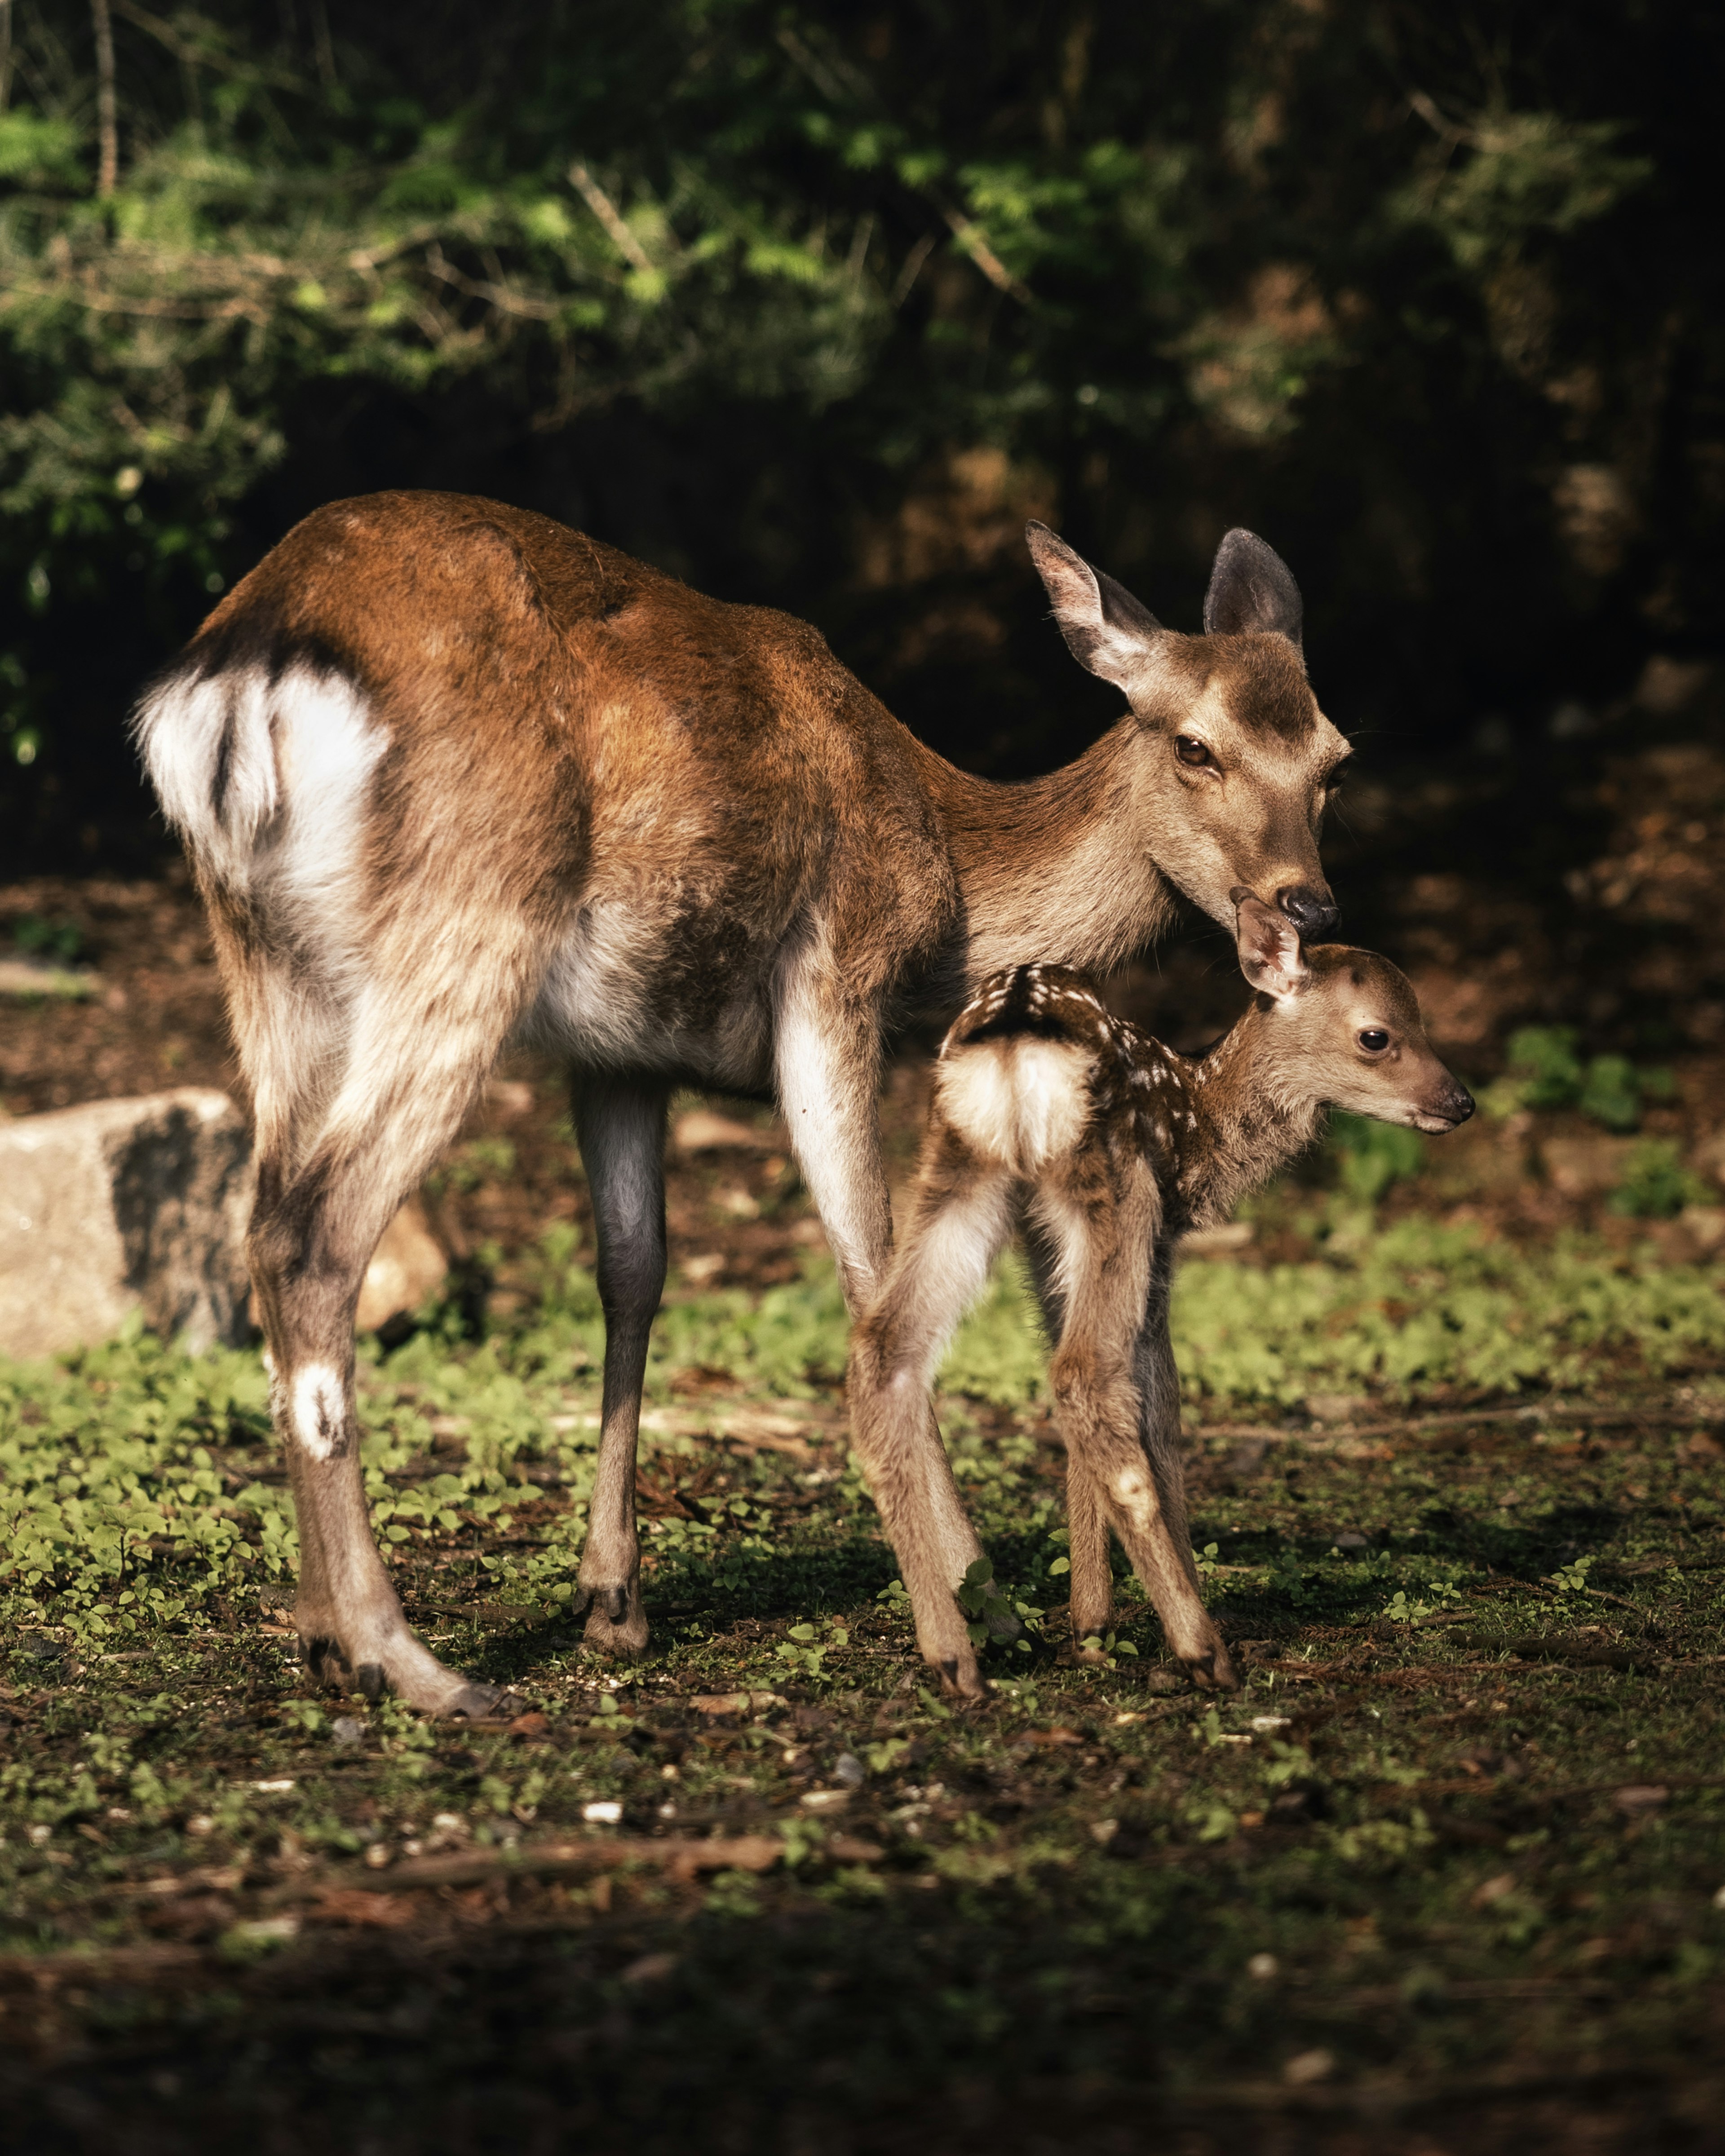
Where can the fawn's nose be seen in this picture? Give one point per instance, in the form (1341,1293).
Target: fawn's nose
(1312,912)
(1458,1105)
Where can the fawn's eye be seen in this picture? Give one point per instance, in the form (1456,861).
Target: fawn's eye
(1192,751)
(1374,1039)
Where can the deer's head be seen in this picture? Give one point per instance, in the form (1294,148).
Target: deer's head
(1341,1027)
(1235,762)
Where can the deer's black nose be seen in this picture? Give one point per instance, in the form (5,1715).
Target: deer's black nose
(1313,913)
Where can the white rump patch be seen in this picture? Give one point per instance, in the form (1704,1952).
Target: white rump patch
(232,754)
(317,1409)
(1020,1101)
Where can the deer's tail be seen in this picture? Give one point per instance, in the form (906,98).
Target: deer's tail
(1013,1078)
(264,770)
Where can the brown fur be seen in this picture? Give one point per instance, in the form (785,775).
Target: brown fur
(449,773)
(1147,1145)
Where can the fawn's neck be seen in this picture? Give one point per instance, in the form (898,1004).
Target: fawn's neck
(1247,1125)
(1055,869)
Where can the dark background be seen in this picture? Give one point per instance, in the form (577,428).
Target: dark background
(1430,296)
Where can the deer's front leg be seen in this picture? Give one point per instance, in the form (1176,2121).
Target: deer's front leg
(829,1069)
(621,1130)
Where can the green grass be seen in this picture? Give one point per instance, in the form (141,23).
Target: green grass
(1412,1846)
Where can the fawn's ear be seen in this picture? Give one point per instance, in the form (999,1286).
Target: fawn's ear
(1269,947)
(1107,630)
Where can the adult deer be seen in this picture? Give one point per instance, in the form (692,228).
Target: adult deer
(1107,1149)
(450,773)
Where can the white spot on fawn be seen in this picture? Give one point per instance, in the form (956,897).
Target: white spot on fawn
(1136,1497)
(317,1408)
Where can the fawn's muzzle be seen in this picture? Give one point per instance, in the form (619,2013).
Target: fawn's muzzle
(1453,1105)
(1314,913)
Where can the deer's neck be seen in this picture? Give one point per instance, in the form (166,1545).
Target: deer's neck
(1248,1126)
(1054,870)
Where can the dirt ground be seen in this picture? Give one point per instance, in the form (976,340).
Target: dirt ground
(1440,1882)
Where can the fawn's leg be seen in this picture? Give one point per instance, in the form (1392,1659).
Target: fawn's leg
(1102,1409)
(939,1272)
(620,1126)
(1091,1578)
(1158,1380)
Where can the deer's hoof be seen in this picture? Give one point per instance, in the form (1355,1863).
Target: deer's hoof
(1211,1671)
(616,1622)
(960,1677)
(483,1703)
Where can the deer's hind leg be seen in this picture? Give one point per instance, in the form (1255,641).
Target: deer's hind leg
(1107,1278)
(955,1237)
(336,1157)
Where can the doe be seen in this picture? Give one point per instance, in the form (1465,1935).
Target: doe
(451,774)
(1107,1147)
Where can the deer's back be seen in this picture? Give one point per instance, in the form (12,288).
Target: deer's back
(491,709)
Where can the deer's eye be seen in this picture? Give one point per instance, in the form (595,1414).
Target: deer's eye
(1192,751)
(1373,1039)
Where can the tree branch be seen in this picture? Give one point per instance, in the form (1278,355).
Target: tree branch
(608,215)
(107,111)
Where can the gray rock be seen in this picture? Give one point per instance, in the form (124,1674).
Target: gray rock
(408,1265)
(121,1206)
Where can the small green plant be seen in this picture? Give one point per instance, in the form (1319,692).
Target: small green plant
(895,1597)
(1105,1649)
(1426,1602)
(1656,1186)
(1545,1070)
(1611,1093)
(804,1653)
(1572,1579)
(1372,1155)
(1205,1559)
(985,1608)
(60,941)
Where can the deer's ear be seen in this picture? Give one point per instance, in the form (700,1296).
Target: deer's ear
(1252,591)
(1107,630)
(1269,947)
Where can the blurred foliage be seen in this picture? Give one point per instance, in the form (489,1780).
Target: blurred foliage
(814,303)
(1657,1185)
(1371,1156)
(1545,1071)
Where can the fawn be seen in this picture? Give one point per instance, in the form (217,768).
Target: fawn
(1105,1148)
(450,774)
